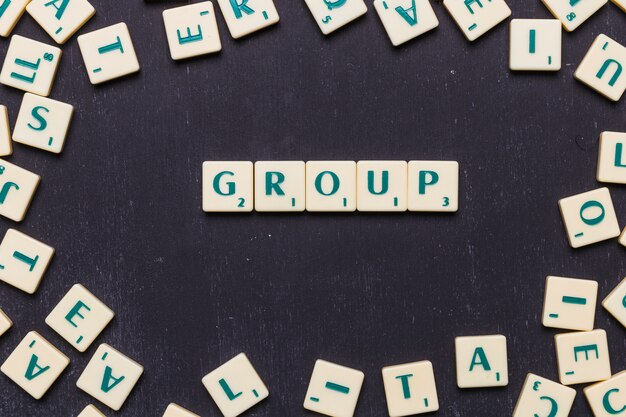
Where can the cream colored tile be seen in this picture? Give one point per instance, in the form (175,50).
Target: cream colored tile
(5,323)
(535,45)
(433,186)
(331,186)
(582,357)
(542,397)
(615,302)
(330,15)
(61,18)
(608,398)
(227,186)
(406,19)
(192,30)
(279,186)
(244,17)
(612,158)
(333,390)
(477,17)
(23,260)
(174,410)
(570,303)
(10,14)
(17,188)
(91,411)
(573,13)
(481,361)
(381,185)
(410,389)
(603,68)
(621,4)
(6,146)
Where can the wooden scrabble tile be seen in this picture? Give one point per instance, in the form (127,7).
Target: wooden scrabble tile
(246,17)
(10,13)
(174,410)
(61,18)
(406,19)
(192,30)
(621,4)
(227,186)
(34,365)
(43,123)
(79,317)
(612,158)
(589,217)
(477,17)
(330,15)
(6,146)
(603,68)
(481,361)
(615,302)
(333,389)
(381,185)
(331,186)
(573,13)
(110,377)
(540,396)
(279,186)
(582,357)
(5,323)
(30,65)
(608,398)
(570,303)
(23,260)
(433,186)
(17,188)
(108,53)
(235,386)
(410,389)
(535,45)
(91,411)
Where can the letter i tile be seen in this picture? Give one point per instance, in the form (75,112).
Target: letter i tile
(333,390)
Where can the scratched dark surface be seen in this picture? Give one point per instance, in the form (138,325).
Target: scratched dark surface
(121,205)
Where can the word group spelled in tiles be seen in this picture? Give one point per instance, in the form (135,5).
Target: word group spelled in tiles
(615,302)
(481,361)
(602,68)
(477,17)
(612,158)
(5,323)
(61,18)
(330,15)
(91,411)
(23,260)
(6,147)
(570,303)
(174,410)
(573,13)
(535,45)
(542,397)
(10,13)
(244,17)
(607,398)
(410,389)
(333,389)
(192,30)
(582,357)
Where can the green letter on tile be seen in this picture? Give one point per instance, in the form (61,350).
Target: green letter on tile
(320,177)
(230,185)
(271,185)
(75,311)
(479,354)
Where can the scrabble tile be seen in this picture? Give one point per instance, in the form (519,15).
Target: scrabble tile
(381,185)
(477,17)
(5,323)
(108,53)
(34,365)
(603,68)
(91,411)
(481,361)
(6,147)
(621,4)
(572,13)
(330,15)
(410,389)
(608,398)
(433,186)
(61,18)
(333,390)
(279,186)
(30,65)
(406,19)
(615,302)
(570,303)
(612,158)
(535,45)
(192,30)
(17,188)
(542,397)
(227,186)
(244,17)
(582,357)
(79,317)
(331,186)
(174,410)
(589,217)
(110,377)
(235,386)
(43,123)
(10,13)
(23,260)
(622,238)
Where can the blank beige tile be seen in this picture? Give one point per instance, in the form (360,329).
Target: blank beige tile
(91,411)
(174,410)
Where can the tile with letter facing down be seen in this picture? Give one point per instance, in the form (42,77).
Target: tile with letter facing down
(108,53)
(602,68)
(30,65)
(279,186)
(542,397)
(331,15)
(608,398)
(34,365)
(477,17)
(10,13)
(570,303)
(235,386)
(481,361)
(174,410)
(333,389)
(406,19)
(612,158)
(244,17)
(615,302)
(91,411)
(589,217)
(79,317)
(381,185)
(410,389)
(43,123)
(6,147)
(61,18)
(535,45)
(573,13)
(192,30)
(110,377)
(23,260)
(582,357)
(433,186)
(17,188)
(227,186)
(331,186)
(5,323)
